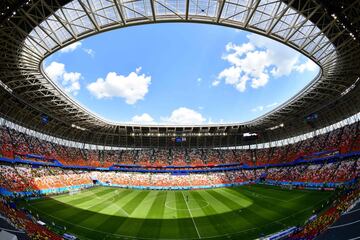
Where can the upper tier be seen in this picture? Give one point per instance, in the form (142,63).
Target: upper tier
(15,144)
(325,31)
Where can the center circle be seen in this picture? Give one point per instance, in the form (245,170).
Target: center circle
(191,204)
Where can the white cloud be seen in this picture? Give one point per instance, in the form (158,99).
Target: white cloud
(69,81)
(89,51)
(307,66)
(262,108)
(258,109)
(259,59)
(272,105)
(132,88)
(184,115)
(215,83)
(70,48)
(199,79)
(144,118)
(55,71)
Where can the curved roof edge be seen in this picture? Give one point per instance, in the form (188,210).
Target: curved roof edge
(39,29)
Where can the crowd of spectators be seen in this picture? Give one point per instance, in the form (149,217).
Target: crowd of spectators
(18,178)
(14,144)
(341,171)
(27,223)
(169,180)
(327,218)
(22,178)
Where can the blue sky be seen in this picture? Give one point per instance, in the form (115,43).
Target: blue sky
(174,73)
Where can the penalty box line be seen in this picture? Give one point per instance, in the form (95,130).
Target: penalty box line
(192,218)
(107,200)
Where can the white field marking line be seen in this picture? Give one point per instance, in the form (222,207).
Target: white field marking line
(191,215)
(296,198)
(58,197)
(264,196)
(151,199)
(112,234)
(352,211)
(183,209)
(209,237)
(258,195)
(219,205)
(85,190)
(344,225)
(111,195)
(235,195)
(281,219)
(90,229)
(132,237)
(113,198)
(355,238)
(94,204)
(10,230)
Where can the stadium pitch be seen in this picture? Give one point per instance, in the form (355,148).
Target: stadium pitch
(245,212)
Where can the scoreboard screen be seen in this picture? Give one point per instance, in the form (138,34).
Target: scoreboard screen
(44,119)
(179,139)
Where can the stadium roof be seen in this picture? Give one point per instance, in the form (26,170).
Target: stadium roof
(325,31)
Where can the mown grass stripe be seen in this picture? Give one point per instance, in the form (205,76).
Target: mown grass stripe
(61,209)
(234,216)
(69,200)
(225,199)
(132,225)
(114,203)
(238,197)
(113,222)
(185,223)
(169,211)
(81,193)
(132,204)
(71,227)
(144,206)
(103,219)
(192,217)
(94,199)
(278,208)
(77,214)
(218,206)
(261,215)
(80,198)
(154,213)
(157,208)
(180,205)
(131,194)
(87,212)
(267,209)
(106,209)
(208,226)
(169,224)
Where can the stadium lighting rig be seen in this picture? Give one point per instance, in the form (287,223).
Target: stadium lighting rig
(294,146)
(342,19)
(325,31)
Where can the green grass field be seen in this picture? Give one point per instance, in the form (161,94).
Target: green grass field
(245,212)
